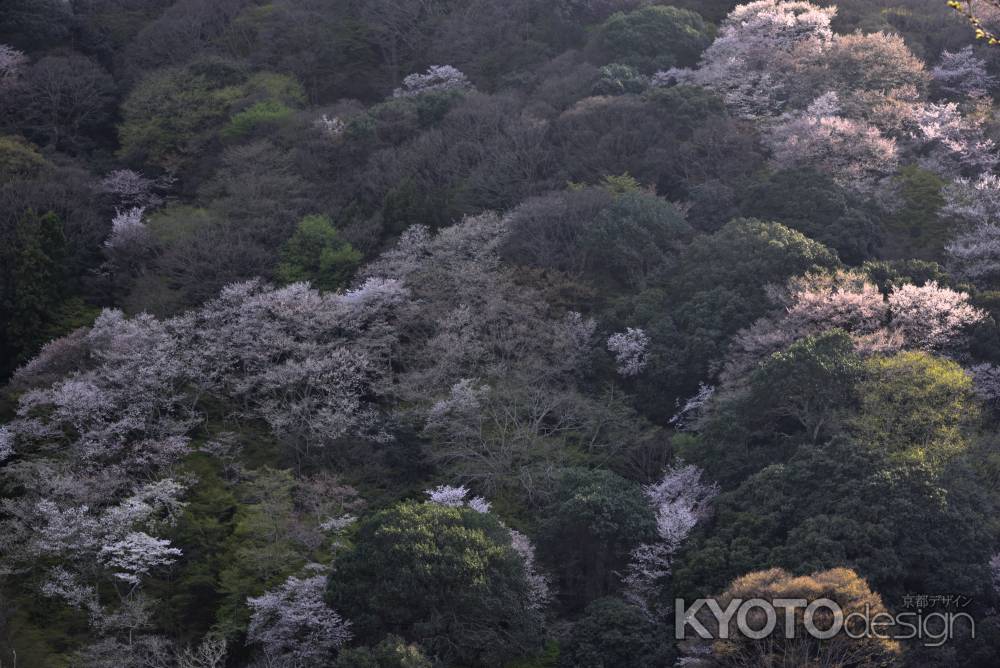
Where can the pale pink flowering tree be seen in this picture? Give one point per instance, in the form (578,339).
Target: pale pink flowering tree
(491,371)
(629,348)
(963,74)
(6,444)
(92,548)
(852,153)
(332,127)
(975,255)
(754,62)
(680,500)
(128,230)
(995,572)
(986,382)
(135,554)
(131,190)
(810,305)
(931,317)
(437,78)
(122,414)
(292,624)
(694,409)
(454,497)
(926,317)
(950,143)
(538,584)
(973,202)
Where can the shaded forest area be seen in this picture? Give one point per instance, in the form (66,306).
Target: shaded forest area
(418,333)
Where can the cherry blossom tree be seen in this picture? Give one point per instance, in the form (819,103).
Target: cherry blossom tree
(691,413)
(6,444)
(973,202)
(135,555)
(93,550)
(131,190)
(454,497)
(986,382)
(331,126)
(963,74)
(930,317)
(975,255)
(950,143)
(754,61)
(294,626)
(680,499)
(491,371)
(310,365)
(852,153)
(629,348)
(538,583)
(926,317)
(438,78)
(128,230)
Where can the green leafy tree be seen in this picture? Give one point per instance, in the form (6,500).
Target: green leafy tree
(808,382)
(174,113)
(19,158)
(32,286)
(812,203)
(192,595)
(170,114)
(620,79)
(444,577)
(317,254)
(653,38)
(261,548)
(901,525)
(717,287)
(889,273)
(799,395)
(592,523)
(265,114)
(916,228)
(634,240)
(614,633)
(916,406)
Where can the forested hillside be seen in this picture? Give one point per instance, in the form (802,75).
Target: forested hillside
(476,333)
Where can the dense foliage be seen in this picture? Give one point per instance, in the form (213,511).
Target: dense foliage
(418,333)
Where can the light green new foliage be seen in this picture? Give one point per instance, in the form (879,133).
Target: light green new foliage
(175,112)
(18,157)
(916,407)
(268,112)
(317,254)
(169,112)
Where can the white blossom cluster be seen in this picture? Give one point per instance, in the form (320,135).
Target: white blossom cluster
(294,626)
(437,78)
(629,348)
(927,317)
(680,500)
(454,497)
